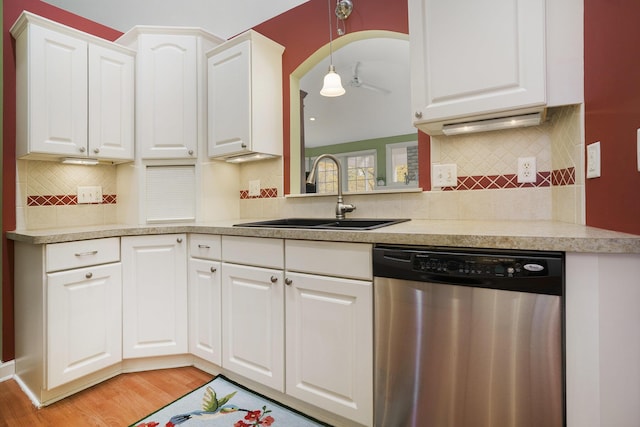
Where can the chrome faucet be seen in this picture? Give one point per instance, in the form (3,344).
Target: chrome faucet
(341,207)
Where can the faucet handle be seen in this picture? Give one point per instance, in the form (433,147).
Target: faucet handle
(342,208)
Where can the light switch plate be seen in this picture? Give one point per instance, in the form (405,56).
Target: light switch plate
(593,160)
(89,194)
(445,175)
(254,188)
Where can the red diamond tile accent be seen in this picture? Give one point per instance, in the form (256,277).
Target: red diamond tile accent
(265,193)
(64,200)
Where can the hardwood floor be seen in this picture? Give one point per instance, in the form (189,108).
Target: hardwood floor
(119,401)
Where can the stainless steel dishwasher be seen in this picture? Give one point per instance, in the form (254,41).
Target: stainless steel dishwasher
(468,337)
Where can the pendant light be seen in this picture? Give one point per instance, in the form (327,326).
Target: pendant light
(332,83)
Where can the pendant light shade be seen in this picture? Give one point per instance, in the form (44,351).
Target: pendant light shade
(332,83)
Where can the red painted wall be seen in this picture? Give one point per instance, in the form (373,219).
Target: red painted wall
(11,11)
(612,111)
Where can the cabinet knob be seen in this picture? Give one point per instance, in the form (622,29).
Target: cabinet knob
(288,281)
(243,145)
(88,275)
(213,269)
(179,240)
(82,149)
(274,279)
(418,114)
(96,150)
(191,152)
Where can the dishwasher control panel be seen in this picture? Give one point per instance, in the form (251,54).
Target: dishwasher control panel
(479,266)
(529,271)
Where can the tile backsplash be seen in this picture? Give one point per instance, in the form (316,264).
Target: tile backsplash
(46,195)
(487,188)
(487,184)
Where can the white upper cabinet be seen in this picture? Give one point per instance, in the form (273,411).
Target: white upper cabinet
(482,59)
(245,97)
(170,79)
(75,93)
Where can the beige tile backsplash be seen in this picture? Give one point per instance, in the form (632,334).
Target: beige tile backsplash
(44,178)
(557,144)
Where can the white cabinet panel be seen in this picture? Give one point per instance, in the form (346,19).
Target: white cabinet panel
(84,322)
(329,336)
(167,96)
(74,93)
(245,97)
(253,323)
(205,310)
(154,274)
(51,77)
(471,58)
(111,103)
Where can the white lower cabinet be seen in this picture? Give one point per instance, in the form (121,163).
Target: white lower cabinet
(84,322)
(305,330)
(154,274)
(68,321)
(253,309)
(204,288)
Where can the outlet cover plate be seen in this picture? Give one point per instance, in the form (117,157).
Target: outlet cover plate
(527,170)
(593,160)
(254,188)
(445,175)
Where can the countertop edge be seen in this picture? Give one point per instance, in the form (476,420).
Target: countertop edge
(553,236)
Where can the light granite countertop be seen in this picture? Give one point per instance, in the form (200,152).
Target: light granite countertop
(531,235)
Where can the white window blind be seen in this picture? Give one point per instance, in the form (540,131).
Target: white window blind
(171,193)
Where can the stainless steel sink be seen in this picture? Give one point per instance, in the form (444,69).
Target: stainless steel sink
(324,223)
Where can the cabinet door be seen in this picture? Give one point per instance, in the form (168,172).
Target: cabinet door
(84,322)
(111,103)
(229,100)
(154,274)
(329,336)
(56,89)
(205,316)
(253,323)
(471,57)
(167,102)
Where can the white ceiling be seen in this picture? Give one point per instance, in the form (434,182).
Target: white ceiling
(361,113)
(221,17)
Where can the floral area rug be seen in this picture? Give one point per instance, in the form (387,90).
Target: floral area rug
(223,402)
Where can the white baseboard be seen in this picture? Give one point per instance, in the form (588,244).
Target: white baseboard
(7,370)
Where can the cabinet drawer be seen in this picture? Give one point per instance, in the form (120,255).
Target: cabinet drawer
(330,258)
(205,246)
(63,256)
(263,252)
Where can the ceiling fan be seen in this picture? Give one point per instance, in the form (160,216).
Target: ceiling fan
(356,81)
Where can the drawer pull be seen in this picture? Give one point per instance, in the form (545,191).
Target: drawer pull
(88,275)
(179,240)
(288,281)
(213,269)
(79,254)
(201,246)
(274,279)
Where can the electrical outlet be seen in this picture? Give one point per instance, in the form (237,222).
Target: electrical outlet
(527,171)
(593,160)
(445,175)
(90,194)
(254,188)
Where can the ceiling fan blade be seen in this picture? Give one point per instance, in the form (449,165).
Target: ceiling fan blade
(375,88)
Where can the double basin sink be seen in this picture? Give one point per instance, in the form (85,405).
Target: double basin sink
(324,223)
